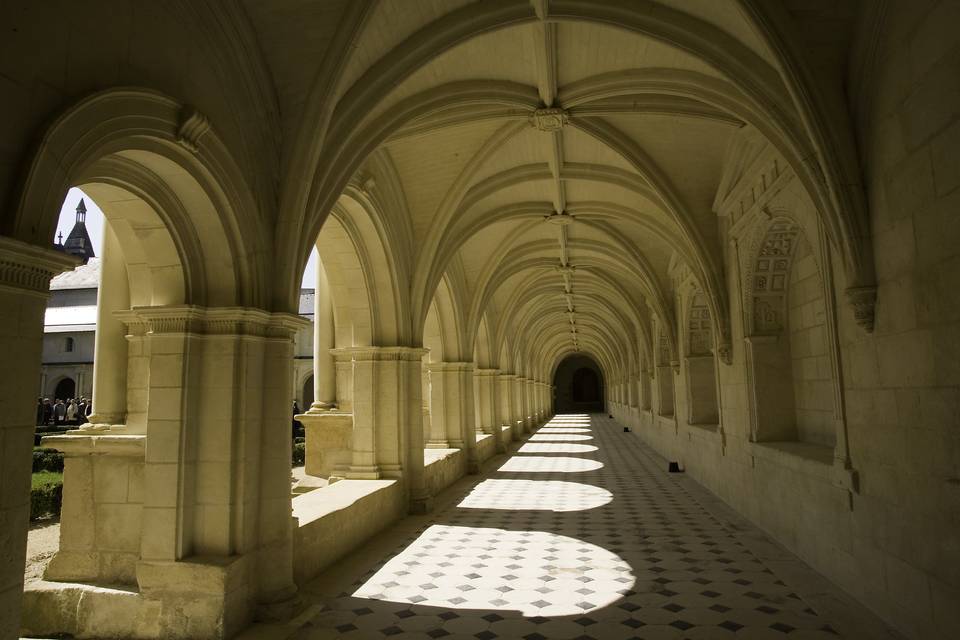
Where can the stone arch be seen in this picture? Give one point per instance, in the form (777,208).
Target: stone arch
(570,370)
(790,352)
(363,272)
(700,364)
(169,159)
(63,388)
(665,365)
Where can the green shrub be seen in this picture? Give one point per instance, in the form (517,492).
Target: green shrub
(46,496)
(47,460)
(299,453)
(299,440)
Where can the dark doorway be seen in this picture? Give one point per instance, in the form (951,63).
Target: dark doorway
(65,389)
(579,386)
(586,385)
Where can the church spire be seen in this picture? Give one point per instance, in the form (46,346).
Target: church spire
(81,211)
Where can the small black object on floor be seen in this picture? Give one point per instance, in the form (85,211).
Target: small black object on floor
(610,416)
(674,468)
(626,429)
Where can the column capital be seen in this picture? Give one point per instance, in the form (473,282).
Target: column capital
(486,372)
(450,366)
(508,376)
(211,321)
(29,268)
(380,354)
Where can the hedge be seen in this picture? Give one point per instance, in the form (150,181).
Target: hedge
(47,460)
(299,453)
(46,500)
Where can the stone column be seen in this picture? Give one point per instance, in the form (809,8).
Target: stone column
(453,423)
(110,348)
(425,392)
(324,366)
(343,364)
(25,273)
(507,404)
(488,401)
(531,410)
(387,413)
(518,405)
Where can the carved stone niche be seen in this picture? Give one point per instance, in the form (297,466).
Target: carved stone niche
(549,118)
(864,302)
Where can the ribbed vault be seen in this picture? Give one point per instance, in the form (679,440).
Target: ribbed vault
(545,164)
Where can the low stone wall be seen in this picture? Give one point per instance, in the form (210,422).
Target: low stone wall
(335,520)
(443,468)
(486,446)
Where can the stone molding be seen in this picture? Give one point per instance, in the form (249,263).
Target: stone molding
(218,321)
(29,268)
(451,366)
(378,354)
(486,372)
(74,444)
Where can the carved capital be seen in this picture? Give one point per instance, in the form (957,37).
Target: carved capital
(864,302)
(725,353)
(549,118)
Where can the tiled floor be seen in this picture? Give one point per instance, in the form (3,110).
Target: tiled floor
(580,534)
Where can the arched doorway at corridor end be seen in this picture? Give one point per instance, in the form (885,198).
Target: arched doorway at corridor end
(579,385)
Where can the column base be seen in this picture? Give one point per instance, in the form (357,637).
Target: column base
(420,505)
(282,607)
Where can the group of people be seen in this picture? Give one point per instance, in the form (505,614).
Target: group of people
(59,412)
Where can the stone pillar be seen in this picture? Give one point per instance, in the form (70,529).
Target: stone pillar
(324,365)
(632,391)
(518,405)
(387,413)
(531,411)
(425,392)
(25,273)
(506,381)
(110,348)
(488,401)
(453,423)
(343,364)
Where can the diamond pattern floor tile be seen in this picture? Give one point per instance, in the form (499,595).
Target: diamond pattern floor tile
(576,535)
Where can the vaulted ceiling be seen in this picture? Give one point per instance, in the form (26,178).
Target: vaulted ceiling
(551,160)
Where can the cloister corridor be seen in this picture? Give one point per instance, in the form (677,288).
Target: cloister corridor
(578,532)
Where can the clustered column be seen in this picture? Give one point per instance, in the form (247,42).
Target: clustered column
(507,405)
(453,419)
(488,402)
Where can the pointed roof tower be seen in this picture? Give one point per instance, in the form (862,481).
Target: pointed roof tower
(78,242)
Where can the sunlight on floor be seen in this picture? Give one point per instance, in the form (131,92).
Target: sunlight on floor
(559,437)
(549,464)
(535,495)
(533,572)
(556,447)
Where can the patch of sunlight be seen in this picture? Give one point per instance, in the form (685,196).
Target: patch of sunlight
(537,495)
(556,447)
(462,567)
(549,464)
(559,437)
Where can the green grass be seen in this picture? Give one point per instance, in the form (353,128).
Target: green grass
(41,478)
